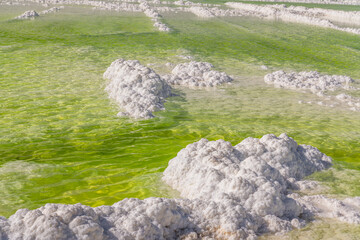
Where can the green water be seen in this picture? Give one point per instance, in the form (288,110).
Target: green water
(60,139)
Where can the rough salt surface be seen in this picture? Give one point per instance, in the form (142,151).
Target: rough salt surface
(347,210)
(234,192)
(28,15)
(318,84)
(313,81)
(316,17)
(137,89)
(197,74)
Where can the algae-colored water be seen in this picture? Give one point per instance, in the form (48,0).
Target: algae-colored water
(60,139)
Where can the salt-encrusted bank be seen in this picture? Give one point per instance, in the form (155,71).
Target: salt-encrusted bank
(137,89)
(197,74)
(340,2)
(315,17)
(233,192)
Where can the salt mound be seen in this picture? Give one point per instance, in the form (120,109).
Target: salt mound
(254,173)
(197,74)
(137,89)
(28,15)
(313,81)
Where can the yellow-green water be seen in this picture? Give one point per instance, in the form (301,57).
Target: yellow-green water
(60,139)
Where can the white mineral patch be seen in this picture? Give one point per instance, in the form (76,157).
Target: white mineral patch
(155,16)
(318,84)
(347,210)
(201,12)
(28,15)
(316,17)
(197,74)
(352,102)
(341,2)
(137,89)
(51,10)
(312,81)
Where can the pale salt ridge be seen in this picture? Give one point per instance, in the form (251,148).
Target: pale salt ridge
(137,89)
(197,74)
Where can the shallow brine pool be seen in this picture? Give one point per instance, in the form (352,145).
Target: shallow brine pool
(60,139)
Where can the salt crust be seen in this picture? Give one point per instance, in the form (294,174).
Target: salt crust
(340,2)
(315,17)
(197,74)
(234,192)
(296,14)
(347,210)
(318,84)
(31,14)
(137,89)
(51,10)
(312,81)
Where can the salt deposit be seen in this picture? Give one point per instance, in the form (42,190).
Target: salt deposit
(352,102)
(51,10)
(28,15)
(197,74)
(137,89)
(340,2)
(347,210)
(316,17)
(233,192)
(312,81)
(318,84)
(155,16)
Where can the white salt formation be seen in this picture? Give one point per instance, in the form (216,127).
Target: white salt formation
(347,210)
(252,174)
(137,89)
(340,2)
(197,74)
(318,84)
(28,15)
(155,16)
(313,81)
(235,192)
(315,17)
(51,10)
(352,102)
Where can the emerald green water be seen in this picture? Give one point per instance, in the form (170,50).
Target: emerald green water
(60,139)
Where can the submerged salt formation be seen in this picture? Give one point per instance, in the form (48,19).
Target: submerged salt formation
(51,10)
(28,15)
(137,89)
(352,102)
(197,74)
(233,192)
